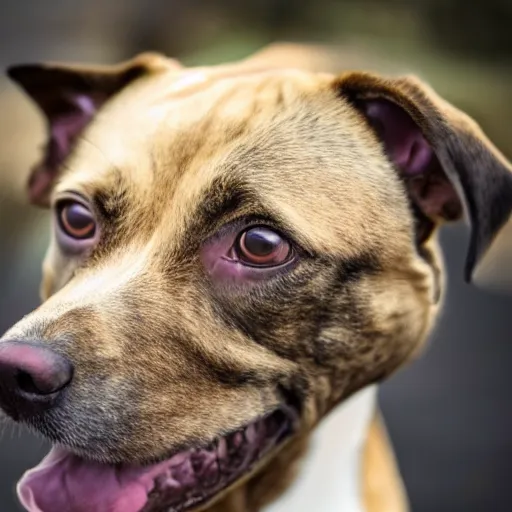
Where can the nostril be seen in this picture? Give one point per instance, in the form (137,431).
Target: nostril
(26,383)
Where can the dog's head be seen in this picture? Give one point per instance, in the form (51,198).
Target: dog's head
(234,251)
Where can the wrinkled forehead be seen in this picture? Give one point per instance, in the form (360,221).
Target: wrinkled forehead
(281,144)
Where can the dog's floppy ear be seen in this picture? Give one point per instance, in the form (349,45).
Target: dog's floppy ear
(69,97)
(448,164)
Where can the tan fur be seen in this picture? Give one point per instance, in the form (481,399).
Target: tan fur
(143,315)
(382,485)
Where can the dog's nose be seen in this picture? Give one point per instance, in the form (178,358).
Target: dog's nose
(31,377)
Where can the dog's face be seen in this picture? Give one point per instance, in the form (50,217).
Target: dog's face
(234,251)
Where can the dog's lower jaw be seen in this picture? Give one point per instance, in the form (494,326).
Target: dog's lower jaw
(321,472)
(187,480)
(267,484)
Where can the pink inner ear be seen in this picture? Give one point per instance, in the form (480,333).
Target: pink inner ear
(407,148)
(65,128)
(404,141)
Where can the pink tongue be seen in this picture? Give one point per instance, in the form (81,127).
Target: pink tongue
(66,483)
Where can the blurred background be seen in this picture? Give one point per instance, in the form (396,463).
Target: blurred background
(449,414)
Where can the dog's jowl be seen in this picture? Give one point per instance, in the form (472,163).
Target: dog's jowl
(239,254)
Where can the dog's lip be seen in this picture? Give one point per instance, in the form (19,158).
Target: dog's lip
(189,478)
(292,414)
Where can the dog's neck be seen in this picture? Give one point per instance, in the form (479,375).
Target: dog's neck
(331,476)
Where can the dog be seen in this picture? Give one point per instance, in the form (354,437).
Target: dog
(239,255)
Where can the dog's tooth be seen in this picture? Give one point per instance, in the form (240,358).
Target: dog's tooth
(223,448)
(250,433)
(178,459)
(170,483)
(238,440)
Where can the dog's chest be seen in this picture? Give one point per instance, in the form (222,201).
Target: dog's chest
(330,479)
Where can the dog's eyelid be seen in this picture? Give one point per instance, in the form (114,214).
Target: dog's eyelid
(71,195)
(298,241)
(243,222)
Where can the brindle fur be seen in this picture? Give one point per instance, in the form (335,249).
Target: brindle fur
(165,357)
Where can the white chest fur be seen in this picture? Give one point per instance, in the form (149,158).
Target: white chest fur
(330,479)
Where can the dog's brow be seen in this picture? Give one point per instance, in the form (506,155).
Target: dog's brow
(110,202)
(228,198)
(224,198)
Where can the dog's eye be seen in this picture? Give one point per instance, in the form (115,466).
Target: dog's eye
(261,246)
(243,256)
(76,220)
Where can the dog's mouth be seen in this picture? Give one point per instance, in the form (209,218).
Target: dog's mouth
(187,480)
